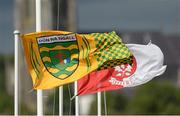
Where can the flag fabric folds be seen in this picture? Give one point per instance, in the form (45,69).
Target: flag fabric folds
(147,64)
(56,58)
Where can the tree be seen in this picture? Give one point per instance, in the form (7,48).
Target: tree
(155,98)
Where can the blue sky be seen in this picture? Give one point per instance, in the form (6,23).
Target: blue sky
(133,15)
(129,14)
(6,26)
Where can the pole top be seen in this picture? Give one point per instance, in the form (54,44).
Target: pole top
(16,32)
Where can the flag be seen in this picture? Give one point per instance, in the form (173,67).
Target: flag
(56,58)
(147,64)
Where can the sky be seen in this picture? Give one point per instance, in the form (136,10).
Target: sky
(97,15)
(6,27)
(129,15)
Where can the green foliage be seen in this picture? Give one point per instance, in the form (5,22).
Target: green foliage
(25,111)
(4,59)
(6,101)
(155,98)
(117,107)
(6,104)
(159,97)
(2,75)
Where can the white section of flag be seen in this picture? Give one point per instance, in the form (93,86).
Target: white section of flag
(149,60)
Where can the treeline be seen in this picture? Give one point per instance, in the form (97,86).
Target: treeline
(153,98)
(6,101)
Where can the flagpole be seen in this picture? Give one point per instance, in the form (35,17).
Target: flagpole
(61,87)
(76,99)
(61,101)
(99,103)
(16,71)
(38,28)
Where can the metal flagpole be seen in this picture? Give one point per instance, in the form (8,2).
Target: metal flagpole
(99,103)
(61,101)
(38,28)
(61,87)
(16,68)
(76,99)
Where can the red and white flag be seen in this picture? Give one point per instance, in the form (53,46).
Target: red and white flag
(147,64)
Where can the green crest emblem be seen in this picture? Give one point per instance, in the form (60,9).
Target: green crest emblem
(59,54)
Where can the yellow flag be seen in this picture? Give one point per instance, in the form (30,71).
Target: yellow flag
(56,58)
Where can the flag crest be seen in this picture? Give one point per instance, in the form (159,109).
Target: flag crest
(59,54)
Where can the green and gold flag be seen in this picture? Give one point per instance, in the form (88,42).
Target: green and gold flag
(56,58)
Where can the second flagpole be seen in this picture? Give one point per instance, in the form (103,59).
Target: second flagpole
(99,103)
(61,87)
(16,67)
(38,28)
(76,98)
(61,101)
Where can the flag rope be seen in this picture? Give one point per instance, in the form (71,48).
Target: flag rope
(54,101)
(105,104)
(99,103)
(70,102)
(76,98)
